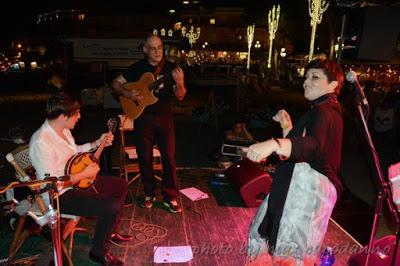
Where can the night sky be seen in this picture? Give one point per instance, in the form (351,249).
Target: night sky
(17,15)
(20,15)
(19,19)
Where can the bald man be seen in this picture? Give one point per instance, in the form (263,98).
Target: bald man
(155,125)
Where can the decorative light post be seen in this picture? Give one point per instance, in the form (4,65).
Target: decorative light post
(250,36)
(273,22)
(192,35)
(163,32)
(315,8)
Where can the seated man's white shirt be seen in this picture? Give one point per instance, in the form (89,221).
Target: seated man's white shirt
(50,153)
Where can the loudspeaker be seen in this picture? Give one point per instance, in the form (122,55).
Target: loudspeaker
(252,182)
(381,253)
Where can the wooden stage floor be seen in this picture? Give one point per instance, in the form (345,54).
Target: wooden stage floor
(216,228)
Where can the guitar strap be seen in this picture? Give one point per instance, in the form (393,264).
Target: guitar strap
(158,68)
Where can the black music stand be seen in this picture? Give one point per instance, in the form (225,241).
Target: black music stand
(384,192)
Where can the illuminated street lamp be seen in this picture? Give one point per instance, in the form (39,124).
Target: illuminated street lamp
(315,8)
(162,31)
(273,21)
(192,35)
(250,36)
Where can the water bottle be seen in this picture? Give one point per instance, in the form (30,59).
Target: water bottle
(327,257)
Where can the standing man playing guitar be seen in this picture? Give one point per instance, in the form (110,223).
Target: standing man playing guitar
(155,124)
(50,148)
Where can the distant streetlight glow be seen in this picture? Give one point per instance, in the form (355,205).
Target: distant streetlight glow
(283,52)
(81,17)
(315,8)
(177,26)
(33,65)
(336,47)
(273,22)
(250,36)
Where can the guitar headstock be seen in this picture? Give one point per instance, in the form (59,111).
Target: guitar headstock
(112,124)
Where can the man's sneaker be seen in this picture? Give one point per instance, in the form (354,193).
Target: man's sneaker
(147,202)
(172,206)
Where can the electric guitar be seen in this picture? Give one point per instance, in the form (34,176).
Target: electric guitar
(79,161)
(145,86)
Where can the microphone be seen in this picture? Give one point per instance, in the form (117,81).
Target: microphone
(23,207)
(351,77)
(24,177)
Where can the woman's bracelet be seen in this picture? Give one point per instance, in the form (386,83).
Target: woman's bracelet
(98,143)
(95,144)
(278,151)
(278,142)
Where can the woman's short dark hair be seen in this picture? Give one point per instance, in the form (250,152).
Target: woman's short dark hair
(331,69)
(61,103)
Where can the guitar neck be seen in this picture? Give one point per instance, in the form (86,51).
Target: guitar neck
(167,77)
(100,149)
(111,124)
(156,84)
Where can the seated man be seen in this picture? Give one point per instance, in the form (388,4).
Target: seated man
(50,148)
(235,141)
(239,133)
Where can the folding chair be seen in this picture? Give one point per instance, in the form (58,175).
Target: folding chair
(128,155)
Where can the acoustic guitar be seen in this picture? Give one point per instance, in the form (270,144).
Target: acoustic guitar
(146,86)
(79,161)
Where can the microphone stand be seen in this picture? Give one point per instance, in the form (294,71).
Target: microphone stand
(55,230)
(384,190)
(51,217)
